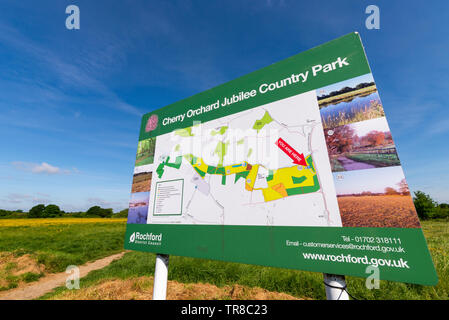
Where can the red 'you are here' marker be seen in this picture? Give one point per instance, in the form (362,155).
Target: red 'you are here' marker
(298,158)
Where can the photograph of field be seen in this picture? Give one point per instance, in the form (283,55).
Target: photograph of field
(361,145)
(349,101)
(145,152)
(138,207)
(141,182)
(375,198)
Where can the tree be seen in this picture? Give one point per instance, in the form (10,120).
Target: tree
(340,139)
(389,191)
(403,187)
(106,213)
(99,212)
(93,211)
(36,211)
(375,138)
(51,211)
(424,204)
(122,214)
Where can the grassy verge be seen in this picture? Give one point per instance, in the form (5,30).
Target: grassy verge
(336,165)
(296,283)
(57,243)
(378,160)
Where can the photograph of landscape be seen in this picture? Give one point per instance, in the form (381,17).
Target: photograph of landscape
(375,198)
(141,182)
(145,152)
(138,207)
(361,145)
(349,101)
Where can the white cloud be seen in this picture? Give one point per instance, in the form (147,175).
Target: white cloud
(43,167)
(26,199)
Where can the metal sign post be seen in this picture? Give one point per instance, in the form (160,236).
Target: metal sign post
(335,287)
(160,277)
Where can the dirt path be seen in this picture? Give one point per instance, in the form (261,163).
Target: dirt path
(349,164)
(51,281)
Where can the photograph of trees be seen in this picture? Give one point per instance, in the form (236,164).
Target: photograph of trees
(145,151)
(362,145)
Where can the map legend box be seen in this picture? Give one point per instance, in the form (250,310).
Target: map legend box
(168,198)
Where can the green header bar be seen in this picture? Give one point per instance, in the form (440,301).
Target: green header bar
(332,62)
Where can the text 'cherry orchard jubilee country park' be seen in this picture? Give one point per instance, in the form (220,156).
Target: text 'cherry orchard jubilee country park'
(263,88)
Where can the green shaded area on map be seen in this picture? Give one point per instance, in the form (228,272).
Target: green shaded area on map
(220,151)
(221,131)
(297,180)
(306,189)
(259,124)
(186,132)
(176,165)
(310,163)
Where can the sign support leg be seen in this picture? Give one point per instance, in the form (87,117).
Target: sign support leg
(335,286)
(160,277)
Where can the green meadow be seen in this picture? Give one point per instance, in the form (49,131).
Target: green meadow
(57,243)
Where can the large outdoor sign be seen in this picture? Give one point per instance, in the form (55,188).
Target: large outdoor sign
(290,166)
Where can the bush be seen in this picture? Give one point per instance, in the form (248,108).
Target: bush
(51,211)
(122,214)
(424,205)
(36,211)
(12,214)
(440,213)
(427,208)
(99,212)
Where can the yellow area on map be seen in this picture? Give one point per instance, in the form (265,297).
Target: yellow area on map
(281,182)
(251,178)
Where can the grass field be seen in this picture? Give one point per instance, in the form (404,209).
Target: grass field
(57,245)
(378,211)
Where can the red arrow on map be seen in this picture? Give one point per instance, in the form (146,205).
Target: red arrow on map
(298,158)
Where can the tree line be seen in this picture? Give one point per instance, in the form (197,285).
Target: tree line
(53,211)
(426,207)
(346,89)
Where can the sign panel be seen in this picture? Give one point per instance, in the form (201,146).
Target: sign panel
(290,166)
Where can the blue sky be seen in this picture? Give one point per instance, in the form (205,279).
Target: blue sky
(71,100)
